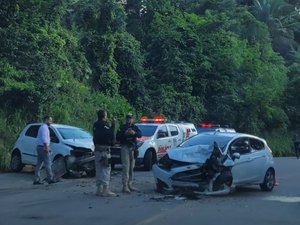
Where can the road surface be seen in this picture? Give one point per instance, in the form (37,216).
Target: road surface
(72,202)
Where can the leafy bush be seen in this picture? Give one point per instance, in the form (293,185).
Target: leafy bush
(10,126)
(280,143)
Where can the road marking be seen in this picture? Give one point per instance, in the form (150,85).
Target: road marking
(286,199)
(151,219)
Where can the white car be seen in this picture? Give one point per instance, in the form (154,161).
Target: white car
(255,164)
(72,143)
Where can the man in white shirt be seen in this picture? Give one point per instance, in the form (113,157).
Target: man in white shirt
(43,152)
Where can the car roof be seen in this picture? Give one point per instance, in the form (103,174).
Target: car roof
(155,124)
(55,125)
(229,134)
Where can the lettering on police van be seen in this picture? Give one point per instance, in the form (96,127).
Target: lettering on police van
(162,149)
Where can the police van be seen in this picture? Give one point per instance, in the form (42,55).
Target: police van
(157,137)
(208,127)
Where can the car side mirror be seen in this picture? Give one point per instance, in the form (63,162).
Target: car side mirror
(235,156)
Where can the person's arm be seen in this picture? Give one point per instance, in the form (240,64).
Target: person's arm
(45,135)
(112,129)
(138,132)
(94,133)
(121,134)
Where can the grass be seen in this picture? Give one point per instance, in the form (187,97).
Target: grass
(280,143)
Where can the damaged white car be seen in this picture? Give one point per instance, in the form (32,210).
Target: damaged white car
(72,144)
(210,163)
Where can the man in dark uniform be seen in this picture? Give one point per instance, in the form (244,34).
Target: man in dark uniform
(127,136)
(296,141)
(103,137)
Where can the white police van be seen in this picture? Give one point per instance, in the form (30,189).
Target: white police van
(157,137)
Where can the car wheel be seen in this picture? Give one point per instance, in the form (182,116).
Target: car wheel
(159,186)
(59,167)
(269,181)
(16,164)
(148,162)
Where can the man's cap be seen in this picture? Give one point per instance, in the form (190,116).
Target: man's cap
(129,115)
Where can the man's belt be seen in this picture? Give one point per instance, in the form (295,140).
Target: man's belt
(102,148)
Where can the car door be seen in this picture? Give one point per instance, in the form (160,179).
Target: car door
(175,136)
(163,141)
(243,171)
(257,159)
(29,154)
(54,144)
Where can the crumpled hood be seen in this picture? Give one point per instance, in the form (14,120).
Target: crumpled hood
(193,154)
(81,143)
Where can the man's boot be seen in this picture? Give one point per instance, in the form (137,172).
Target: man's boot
(126,188)
(130,186)
(107,193)
(99,190)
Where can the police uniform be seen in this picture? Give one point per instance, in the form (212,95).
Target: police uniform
(103,136)
(128,147)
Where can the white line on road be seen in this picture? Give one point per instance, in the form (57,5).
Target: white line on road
(286,199)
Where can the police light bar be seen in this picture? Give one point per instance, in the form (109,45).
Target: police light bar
(157,119)
(209,125)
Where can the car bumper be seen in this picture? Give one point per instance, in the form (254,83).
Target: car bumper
(164,177)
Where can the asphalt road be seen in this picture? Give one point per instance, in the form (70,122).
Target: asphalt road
(72,202)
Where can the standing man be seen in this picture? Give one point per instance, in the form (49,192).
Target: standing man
(103,139)
(296,141)
(43,152)
(127,136)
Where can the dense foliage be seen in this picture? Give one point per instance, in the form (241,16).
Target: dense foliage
(233,62)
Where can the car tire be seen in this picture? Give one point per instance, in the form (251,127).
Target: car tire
(59,157)
(159,186)
(269,181)
(148,160)
(91,173)
(16,164)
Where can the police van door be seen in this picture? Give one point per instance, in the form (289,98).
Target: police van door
(175,135)
(163,141)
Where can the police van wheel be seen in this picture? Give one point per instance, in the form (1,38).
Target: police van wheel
(148,162)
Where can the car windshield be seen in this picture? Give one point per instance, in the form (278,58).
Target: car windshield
(74,133)
(206,139)
(147,130)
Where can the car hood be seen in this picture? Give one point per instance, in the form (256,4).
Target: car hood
(80,143)
(193,154)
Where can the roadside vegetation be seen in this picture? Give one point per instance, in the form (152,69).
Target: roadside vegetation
(233,62)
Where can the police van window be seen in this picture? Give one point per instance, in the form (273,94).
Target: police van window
(173,130)
(162,132)
(147,130)
(256,144)
(32,131)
